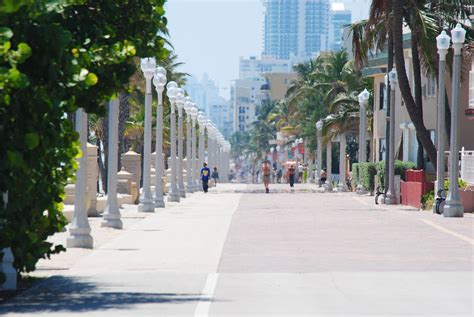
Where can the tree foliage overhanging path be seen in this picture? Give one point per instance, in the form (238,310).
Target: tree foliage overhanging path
(57,56)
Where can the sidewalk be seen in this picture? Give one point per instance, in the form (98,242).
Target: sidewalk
(160,258)
(239,251)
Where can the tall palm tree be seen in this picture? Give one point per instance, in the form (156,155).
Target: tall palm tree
(425,18)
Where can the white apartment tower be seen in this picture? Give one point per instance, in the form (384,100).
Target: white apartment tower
(296,28)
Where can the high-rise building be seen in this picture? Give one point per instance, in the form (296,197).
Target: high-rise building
(205,94)
(295,28)
(254,67)
(359,8)
(340,18)
(247,98)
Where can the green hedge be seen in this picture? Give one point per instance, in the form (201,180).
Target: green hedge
(400,169)
(355,173)
(366,174)
(367,171)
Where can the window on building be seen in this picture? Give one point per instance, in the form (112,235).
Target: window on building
(382,149)
(431,86)
(382,96)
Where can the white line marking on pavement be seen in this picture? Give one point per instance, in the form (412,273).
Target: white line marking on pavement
(204,304)
(454,234)
(360,200)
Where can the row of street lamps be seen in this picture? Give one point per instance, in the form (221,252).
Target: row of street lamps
(453,206)
(218,150)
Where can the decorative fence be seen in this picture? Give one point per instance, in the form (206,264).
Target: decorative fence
(467,166)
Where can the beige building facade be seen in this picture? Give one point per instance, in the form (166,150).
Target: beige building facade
(406,145)
(277,84)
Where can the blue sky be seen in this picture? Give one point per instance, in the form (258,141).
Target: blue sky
(210,35)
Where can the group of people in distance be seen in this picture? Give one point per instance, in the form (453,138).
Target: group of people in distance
(206,175)
(292,175)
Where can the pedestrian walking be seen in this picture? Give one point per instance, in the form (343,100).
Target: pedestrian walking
(266,172)
(300,173)
(279,176)
(205,173)
(215,176)
(291,174)
(305,174)
(323,178)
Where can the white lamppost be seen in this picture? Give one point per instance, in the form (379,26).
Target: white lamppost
(391,198)
(180,99)
(111,216)
(172,94)
(194,160)
(453,206)
(202,130)
(159,81)
(342,186)
(188,106)
(363,101)
(80,231)
(328,185)
(223,174)
(210,146)
(226,161)
(319,127)
(442,43)
(278,149)
(148,66)
(297,152)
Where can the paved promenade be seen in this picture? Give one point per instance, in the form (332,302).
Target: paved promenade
(237,251)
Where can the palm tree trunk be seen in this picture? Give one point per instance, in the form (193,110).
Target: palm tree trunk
(388,93)
(420,162)
(416,115)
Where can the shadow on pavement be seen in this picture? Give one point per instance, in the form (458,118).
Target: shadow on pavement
(74,294)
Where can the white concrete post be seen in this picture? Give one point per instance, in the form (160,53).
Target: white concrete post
(363,101)
(443,45)
(391,198)
(189,163)
(210,158)
(319,158)
(159,81)
(174,194)
(453,206)
(79,230)
(182,189)
(92,176)
(194,154)
(202,158)
(328,185)
(112,211)
(146,200)
(342,186)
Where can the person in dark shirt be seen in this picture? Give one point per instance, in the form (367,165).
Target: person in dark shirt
(205,174)
(215,176)
(292,172)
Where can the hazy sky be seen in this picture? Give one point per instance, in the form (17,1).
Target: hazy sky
(210,35)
